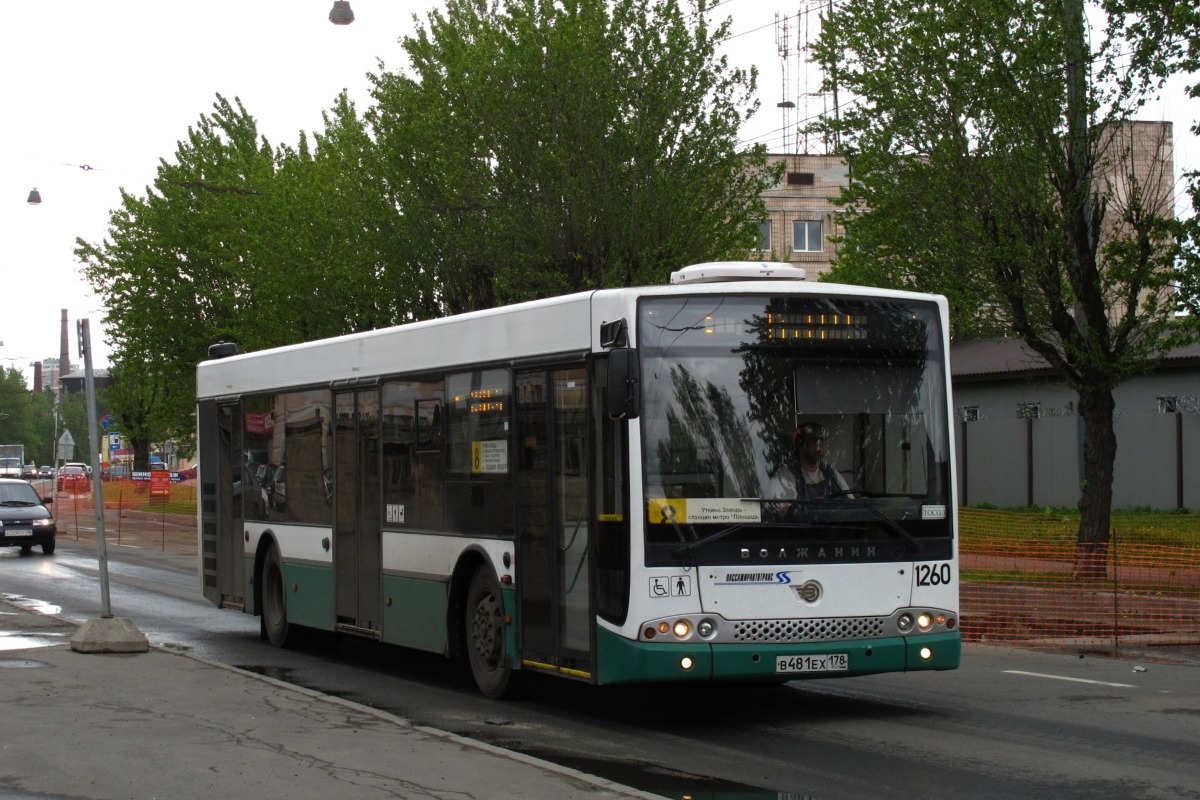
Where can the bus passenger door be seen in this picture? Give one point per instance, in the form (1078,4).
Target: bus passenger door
(222,465)
(357,546)
(553,537)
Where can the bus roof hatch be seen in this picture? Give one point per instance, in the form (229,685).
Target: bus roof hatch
(721,271)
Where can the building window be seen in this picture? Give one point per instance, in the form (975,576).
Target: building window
(764,235)
(970,413)
(1029,410)
(1168,405)
(801,179)
(806,236)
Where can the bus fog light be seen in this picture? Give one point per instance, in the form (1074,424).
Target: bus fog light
(924,621)
(905,622)
(682,629)
(925,653)
(686,663)
(706,628)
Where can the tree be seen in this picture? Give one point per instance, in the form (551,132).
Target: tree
(978,173)
(544,147)
(541,147)
(229,243)
(73,417)
(18,424)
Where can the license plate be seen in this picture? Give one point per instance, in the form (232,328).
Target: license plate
(830,662)
(17,532)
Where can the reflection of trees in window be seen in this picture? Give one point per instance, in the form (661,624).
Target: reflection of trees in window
(830,358)
(709,446)
(303,495)
(413,475)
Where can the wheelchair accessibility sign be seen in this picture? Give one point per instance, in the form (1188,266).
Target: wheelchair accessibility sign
(671,586)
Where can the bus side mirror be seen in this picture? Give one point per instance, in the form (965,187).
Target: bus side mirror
(624,390)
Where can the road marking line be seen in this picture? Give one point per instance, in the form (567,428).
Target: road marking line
(1065,678)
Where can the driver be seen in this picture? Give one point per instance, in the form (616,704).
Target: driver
(815,478)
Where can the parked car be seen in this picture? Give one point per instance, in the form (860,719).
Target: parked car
(25,520)
(73,477)
(116,472)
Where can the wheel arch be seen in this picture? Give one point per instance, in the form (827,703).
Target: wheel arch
(469,561)
(265,542)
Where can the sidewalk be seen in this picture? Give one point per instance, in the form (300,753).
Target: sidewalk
(169,725)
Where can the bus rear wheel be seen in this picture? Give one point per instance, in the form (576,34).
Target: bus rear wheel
(485,634)
(273,624)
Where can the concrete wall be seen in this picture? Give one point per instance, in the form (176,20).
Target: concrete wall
(1157,465)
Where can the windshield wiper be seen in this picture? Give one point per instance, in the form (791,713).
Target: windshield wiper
(891,526)
(837,501)
(17,503)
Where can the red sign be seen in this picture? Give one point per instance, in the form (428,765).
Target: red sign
(160,483)
(260,423)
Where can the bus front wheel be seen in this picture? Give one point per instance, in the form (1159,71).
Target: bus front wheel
(273,624)
(485,634)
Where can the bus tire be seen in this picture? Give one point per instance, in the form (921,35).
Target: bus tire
(273,624)
(485,634)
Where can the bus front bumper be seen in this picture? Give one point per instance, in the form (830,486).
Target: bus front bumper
(620,660)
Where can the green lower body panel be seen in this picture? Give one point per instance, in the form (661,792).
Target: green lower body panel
(620,660)
(309,595)
(414,613)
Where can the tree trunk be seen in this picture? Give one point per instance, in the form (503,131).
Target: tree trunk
(1095,500)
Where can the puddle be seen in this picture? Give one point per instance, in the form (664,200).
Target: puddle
(36,606)
(23,641)
(284,675)
(669,783)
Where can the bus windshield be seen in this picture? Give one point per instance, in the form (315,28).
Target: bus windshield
(775,425)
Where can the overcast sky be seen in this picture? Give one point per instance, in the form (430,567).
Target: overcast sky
(96,93)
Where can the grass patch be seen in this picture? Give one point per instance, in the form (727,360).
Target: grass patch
(1058,525)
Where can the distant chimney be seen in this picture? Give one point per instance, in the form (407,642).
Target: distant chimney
(64,350)
(37,377)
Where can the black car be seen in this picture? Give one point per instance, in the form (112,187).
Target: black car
(24,519)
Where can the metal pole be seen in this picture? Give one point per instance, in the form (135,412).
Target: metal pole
(85,350)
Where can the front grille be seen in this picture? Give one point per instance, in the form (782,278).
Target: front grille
(807,630)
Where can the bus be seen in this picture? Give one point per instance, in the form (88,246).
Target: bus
(594,486)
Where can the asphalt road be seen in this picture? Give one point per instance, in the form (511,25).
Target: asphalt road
(1008,724)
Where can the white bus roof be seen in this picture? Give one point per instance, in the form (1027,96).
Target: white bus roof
(538,328)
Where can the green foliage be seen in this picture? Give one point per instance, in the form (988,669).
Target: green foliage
(976,174)
(20,410)
(538,148)
(541,147)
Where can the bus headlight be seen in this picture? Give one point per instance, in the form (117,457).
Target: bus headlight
(905,622)
(682,629)
(706,628)
(924,621)
(925,653)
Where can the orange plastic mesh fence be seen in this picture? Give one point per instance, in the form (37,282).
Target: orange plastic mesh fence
(1025,581)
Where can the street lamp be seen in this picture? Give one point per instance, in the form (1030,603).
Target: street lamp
(35,197)
(341,13)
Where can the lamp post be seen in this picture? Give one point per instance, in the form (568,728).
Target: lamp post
(341,13)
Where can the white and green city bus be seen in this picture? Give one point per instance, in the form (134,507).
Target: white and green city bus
(592,486)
